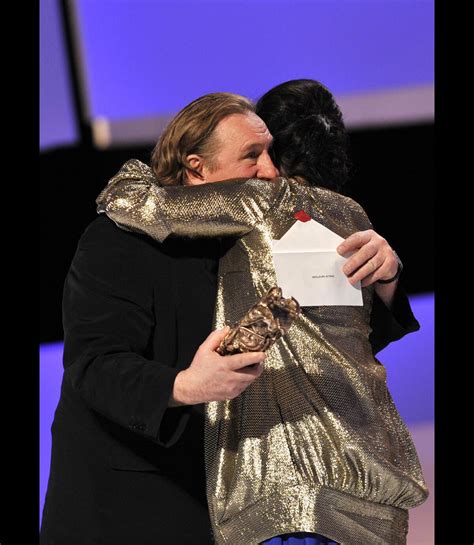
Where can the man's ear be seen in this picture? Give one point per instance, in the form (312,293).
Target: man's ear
(196,163)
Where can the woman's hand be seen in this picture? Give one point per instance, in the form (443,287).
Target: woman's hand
(373,258)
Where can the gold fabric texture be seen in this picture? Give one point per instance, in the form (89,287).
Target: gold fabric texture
(315,444)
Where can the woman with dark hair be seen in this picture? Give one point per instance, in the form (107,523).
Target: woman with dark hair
(311,144)
(313,451)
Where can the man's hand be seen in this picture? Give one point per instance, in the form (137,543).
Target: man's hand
(212,377)
(373,258)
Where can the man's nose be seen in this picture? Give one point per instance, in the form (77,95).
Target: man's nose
(266,168)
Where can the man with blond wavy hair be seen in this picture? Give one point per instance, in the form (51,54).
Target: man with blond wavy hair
(126,464)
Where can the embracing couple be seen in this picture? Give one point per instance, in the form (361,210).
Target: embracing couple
(159,439)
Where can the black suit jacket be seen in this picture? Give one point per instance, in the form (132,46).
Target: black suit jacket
(125,468)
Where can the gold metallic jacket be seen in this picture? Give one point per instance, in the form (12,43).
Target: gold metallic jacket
(315,444)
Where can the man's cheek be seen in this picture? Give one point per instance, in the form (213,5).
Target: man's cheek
(250,172)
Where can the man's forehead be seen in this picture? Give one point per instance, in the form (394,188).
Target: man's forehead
(247,128)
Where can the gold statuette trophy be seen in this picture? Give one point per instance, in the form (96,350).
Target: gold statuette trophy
(264,323)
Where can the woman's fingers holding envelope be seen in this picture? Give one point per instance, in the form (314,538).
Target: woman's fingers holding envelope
(372,257)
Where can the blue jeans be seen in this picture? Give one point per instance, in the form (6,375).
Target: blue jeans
(299,538)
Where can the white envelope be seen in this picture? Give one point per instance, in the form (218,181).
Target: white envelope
(309,268)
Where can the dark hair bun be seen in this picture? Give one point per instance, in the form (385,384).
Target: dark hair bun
(310,139)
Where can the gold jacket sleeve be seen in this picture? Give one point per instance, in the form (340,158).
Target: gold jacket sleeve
(134,201)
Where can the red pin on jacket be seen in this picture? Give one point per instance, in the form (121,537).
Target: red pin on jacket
(302,216)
